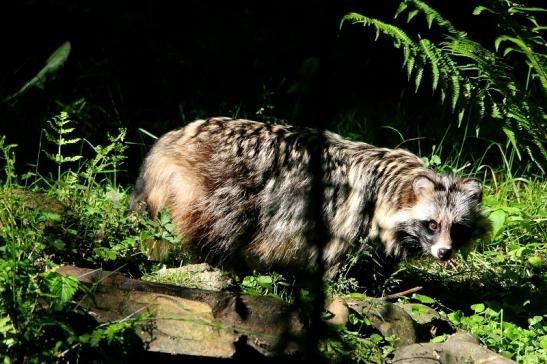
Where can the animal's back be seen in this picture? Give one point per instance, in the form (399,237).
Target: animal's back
(239,191)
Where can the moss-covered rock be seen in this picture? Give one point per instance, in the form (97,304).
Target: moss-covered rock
(201,276)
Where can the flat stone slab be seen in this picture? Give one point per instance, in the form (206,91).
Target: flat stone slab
(191,321)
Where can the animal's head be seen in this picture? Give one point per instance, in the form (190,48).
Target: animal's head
(440,213)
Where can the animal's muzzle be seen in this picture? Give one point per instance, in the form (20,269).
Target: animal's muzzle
(444,253)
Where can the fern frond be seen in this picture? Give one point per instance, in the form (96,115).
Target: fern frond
(396,34)
(469,74)
(431,16)
(532,57)
(464,47)
(512,139)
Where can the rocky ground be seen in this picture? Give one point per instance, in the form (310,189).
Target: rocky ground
(191,312)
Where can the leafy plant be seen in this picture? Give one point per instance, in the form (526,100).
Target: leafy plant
(60,125)
(40,319)
(40,316)
(525,345)
(8,156)
(358,342)
(475,80)
(273,284)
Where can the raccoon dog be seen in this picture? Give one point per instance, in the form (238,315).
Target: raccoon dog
(239,192)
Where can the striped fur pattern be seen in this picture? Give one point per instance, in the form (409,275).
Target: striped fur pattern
(239,192)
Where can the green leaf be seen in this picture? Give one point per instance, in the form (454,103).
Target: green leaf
(435,160)
(455,90)
(69,159)
(455,317)
(105,253)
(63,287)
(6,326)
(525,9)
(430,17)
(55,61)
(497,217)
(418,78)
(543,342)
(249,281)
(492,313)
(508,50)
(411,15)
(265,281)
(376,338)
(423,299)
(461,113)
(478,307)
(170,227)
(430,53)
(511,136)
(535,320)
(535,261)
(479,9)
(164,216)
(66,130)
(402,7)
(58,244)
(439,339)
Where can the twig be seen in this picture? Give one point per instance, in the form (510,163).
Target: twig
(401,294)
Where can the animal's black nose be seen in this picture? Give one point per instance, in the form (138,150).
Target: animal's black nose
(444,253)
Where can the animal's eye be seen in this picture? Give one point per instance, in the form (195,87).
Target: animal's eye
(433,225)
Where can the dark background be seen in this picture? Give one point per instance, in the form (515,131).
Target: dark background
(159,64)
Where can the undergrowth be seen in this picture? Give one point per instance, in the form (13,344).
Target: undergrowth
(79,216)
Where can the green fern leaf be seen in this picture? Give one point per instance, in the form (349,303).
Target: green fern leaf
(455,90)
(508,50)
(402,7)
(429,18)
(409,66)
(479,9)
(432,15)
(430,54)
(418,78)
(530,55)
(461,113)
(525,9)
(471,75)
(411,14)
(481,105)
(512,139)
(532,157)
(66,130)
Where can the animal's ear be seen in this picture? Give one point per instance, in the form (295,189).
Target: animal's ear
(423,186)
(472,187)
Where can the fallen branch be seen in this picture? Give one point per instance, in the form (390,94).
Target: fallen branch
(401,294)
